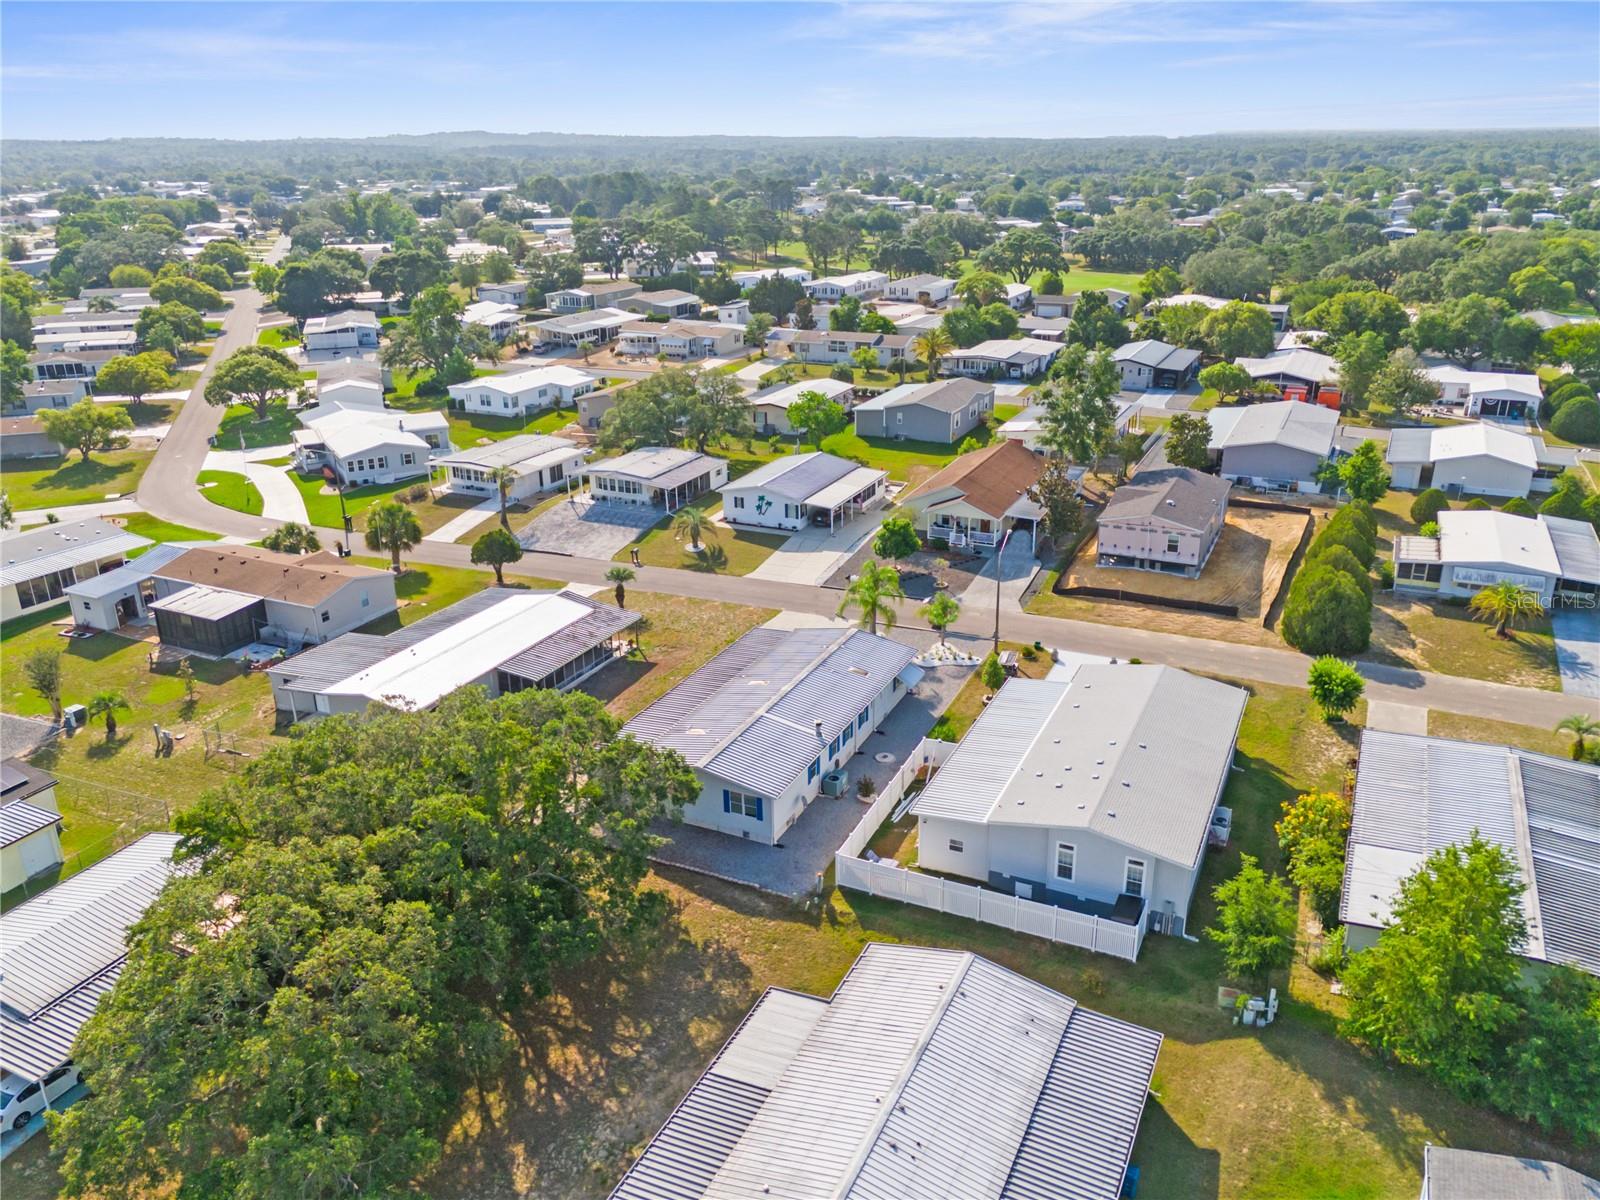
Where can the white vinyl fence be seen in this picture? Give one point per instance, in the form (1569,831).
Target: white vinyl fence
(964,899)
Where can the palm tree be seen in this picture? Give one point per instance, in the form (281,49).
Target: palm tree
(1505,603)
(393,527)
(503,478)
(585,348)
(107,704)
(931,345)
(1582,727)
(872,591)
(941,612)
(293,538)
(692,523)
(620,576)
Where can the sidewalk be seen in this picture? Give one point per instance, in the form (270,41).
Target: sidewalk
(76,512)
(465,523)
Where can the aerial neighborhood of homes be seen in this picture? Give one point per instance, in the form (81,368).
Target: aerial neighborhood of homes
(1048,453)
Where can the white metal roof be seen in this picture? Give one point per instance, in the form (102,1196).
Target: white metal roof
(21,819)
(34,552)
(1291,423)
(1298,363)
(129,574)
(523,381)
(1009,349)
(1483,383)
(1498,539)
(204,603)
(1137,754)
(840,491)
(783,397)
(660,465)
(525,452)
(1478,439)
(1577,547)
(797,477)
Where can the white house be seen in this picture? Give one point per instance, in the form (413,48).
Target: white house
(501,639)
(769,410)
(1094,793)
(680,341)
(1549,556)
(538,463)
(1007,358)
(120,596)
(764,721)
(350,393)
(522,392)
(928,1073)
(863,285)
(500,320)
(839,346)
(596,327)
(1487,393)
(800,490)
(351,329)
(735,312)
(30,822)
(1019,295)
(748,279)
(1481,458)
(513,292)
(366,446)
(668,477)
(928,290)
(38,565)
(1152,364)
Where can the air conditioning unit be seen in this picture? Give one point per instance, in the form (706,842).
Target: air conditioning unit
(834,783)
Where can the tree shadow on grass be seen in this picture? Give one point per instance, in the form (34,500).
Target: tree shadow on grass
(77,474)
(595,1068)
(1169,1162)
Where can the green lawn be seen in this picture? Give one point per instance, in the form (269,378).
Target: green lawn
(897,458)
(53,482)
(229,489)
(279,337)
(423,589)
(730,552)
(801,371)
(323,508)
(239,422)
(471,429)
(158,530)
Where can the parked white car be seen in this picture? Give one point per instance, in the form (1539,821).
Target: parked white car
(21,1100)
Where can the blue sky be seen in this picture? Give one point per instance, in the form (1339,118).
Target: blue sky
(1093,68)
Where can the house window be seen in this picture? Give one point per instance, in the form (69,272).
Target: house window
(957,846)
(1066,861)
(408,458)
(366,600)
(813,770)
(742,804)
(1133,878)
(861,721)
(833,747)
(738,501)
(1172,543)
(325,616)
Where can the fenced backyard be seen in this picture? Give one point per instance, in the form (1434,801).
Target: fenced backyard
(964,899)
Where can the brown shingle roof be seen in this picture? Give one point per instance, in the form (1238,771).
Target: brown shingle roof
(307,579)
(992,479)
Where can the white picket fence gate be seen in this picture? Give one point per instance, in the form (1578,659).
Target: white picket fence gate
(963,899)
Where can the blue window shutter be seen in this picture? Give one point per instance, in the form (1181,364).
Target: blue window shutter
(727,801)
(760,807)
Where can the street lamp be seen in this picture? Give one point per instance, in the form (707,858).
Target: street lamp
(999,562)
(331,477)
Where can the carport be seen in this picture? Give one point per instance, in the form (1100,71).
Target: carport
(847,497)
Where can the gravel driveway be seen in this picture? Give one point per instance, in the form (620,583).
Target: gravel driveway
(585,528)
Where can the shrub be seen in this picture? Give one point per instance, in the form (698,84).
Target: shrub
(1517,506)
(1328,958)
(1578,421)
(1339,557)
(1348,536)
(1428,505)
(1428,529)
(1557,397)
(1335,685)
(843,372)
(1327,613)
(1565,501)
(1478,504)
(1386,574)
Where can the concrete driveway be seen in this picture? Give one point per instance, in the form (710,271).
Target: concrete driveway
(586,528)
(810,555)
(1577,634)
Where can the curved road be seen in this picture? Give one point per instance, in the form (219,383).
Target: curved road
(168,492)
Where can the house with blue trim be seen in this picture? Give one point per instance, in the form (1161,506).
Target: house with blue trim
(766,720)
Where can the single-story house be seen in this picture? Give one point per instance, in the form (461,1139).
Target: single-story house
(121,595)
(1482,458)
(1278,445)
(1152,364)
(64,950)
(748,279)
(669,303)
(770,409)
(30,822)
(839,346)
(596,327)
(370,446)
(1487,393)
(679,340)
(501,639)
(1094,793)
(590,297)
(929,1072)
(216,599)
(1550,556)
(79,365)
(1182,298)
(972,501)
(1004,358)
(522,392)
(116,341)
(352,329)
(500,320)
(123,299)
(38,565)
(944,411)
(863,285)
(24,437)
(86,322)
(765,720)
(512,291)
(42,394)
(927,290)
(800,490)
(735,312)
(539,462)
(1166,520)
(594,406)
(366,369)
(1018,295)
(349,392)
(1413,797)
(1299,374)
(1450,1174)
(1049,329)
(1064,306)
(662,476)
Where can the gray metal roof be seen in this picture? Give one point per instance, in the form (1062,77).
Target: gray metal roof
(659,466)
(1156,355)
(19,780)
(1415,795)
(34,552)
(130,574)
(512,452)
(1135,753)
(870,1094)
(57,943)
(1449,1174)
(21,819)
(1577,548)
(761,711)
(1291,423)
(1180,495)
(943,395)
(797,477)
(566,644)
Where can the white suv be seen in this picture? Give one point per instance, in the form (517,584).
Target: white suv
(21,1100)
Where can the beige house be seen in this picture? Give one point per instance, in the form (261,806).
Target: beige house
(30,823)
(973,501)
